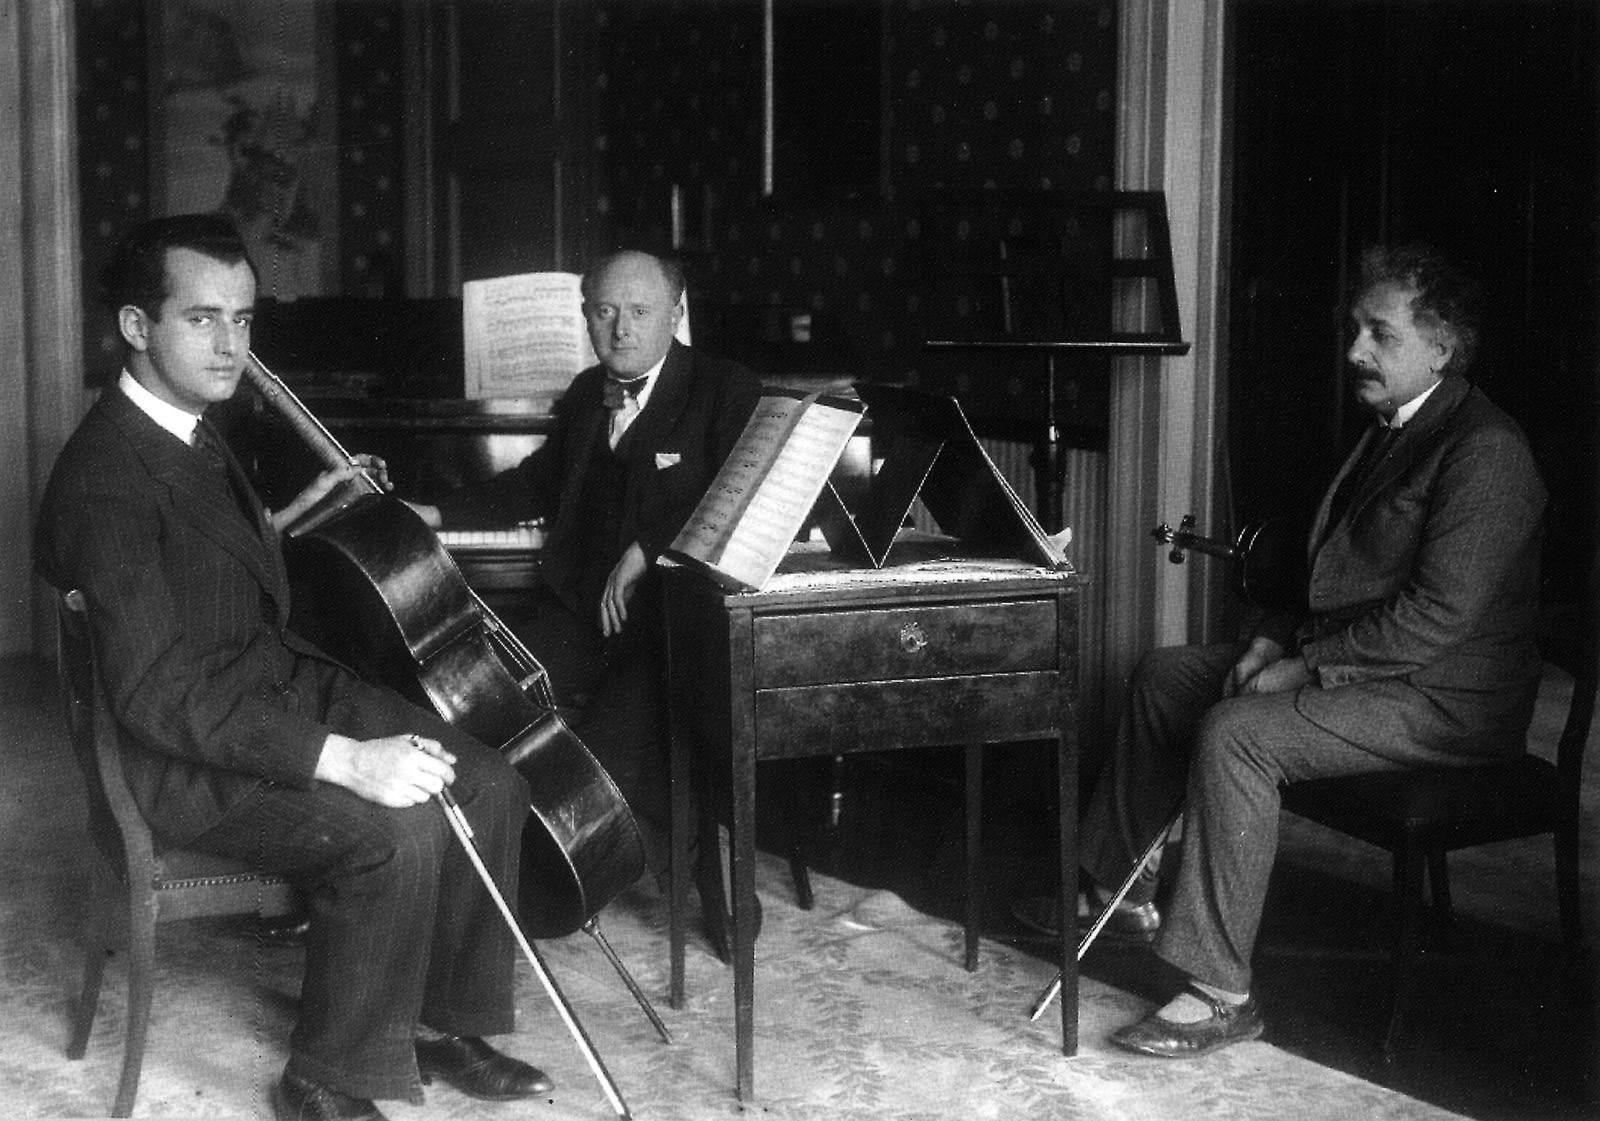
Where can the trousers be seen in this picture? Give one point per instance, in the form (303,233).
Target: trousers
(1179,743)
(402,930)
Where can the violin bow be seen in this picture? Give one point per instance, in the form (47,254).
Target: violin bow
(463,832)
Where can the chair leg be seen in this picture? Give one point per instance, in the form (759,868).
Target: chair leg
(141,983)
(974,821)
(96,945)
(1408,883)
(794,830)
(1439,881)
(1568,883)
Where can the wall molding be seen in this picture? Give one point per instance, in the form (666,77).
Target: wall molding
(41,324)
(1164,417)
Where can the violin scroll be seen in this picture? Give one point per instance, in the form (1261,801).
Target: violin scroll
(1177,538)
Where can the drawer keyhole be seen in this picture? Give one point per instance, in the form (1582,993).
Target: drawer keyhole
(911,638)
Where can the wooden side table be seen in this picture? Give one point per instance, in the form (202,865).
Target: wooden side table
(833,660)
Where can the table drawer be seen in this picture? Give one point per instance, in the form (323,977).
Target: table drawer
(922,712)
(815,648)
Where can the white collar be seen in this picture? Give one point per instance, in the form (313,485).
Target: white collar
(1402,415)
(173,419)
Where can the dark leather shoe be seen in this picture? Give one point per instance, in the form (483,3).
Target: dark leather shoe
(1041,914)
(299,1099)
(478,1070)
(1228,1024)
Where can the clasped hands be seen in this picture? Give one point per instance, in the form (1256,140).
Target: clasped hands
(1263,668)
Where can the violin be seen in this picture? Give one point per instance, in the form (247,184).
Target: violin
(1268,558)
(371,584)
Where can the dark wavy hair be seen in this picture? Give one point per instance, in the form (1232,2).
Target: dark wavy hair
(1448,303)
(671,271)
(137,274)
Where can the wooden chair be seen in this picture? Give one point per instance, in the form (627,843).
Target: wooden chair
(1421,816)
(130,870)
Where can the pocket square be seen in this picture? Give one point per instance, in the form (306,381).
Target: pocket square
(667,459)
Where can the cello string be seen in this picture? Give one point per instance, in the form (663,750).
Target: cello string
(463,831)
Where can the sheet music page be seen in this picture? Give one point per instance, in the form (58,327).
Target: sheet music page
(784,498)
(764,491)
(524,335)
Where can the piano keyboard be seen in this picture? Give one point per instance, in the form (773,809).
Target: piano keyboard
(522,537)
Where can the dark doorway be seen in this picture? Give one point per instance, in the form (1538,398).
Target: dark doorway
(1472,124)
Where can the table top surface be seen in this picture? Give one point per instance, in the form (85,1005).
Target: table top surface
(810,572)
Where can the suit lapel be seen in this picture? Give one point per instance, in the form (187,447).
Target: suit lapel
(195,495)
(668,399)
(1413,436)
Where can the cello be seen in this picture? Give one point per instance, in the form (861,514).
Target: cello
(372,585)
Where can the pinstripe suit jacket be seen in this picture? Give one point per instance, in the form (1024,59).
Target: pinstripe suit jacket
(189,604)
(1424,593)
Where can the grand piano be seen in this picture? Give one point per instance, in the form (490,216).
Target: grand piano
(386,376)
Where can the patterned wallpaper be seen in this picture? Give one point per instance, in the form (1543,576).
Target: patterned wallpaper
(1006,98)
(371,204)
(981,97)
(113,164)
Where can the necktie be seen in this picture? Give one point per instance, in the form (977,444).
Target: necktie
(208,442)
(1377,448)
(622,398)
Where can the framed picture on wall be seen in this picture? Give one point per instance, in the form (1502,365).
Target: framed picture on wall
(242,122)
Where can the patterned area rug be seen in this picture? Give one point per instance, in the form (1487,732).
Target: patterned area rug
(862,1011)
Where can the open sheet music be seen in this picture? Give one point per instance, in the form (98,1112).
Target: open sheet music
(525,335)
(762,495)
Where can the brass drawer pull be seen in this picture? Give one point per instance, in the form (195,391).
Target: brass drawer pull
(911,637)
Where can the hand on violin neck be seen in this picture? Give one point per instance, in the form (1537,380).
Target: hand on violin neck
(394,771)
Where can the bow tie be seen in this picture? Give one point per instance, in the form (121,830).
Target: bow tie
(618,392)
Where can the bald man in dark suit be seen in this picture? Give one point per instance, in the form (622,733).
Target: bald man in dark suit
(241,739)
(637,440)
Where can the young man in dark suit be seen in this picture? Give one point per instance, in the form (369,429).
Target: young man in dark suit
(242,739)
(1417,650)
(636,443)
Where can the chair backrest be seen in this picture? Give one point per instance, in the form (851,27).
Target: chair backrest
(115,822)
(1572,642)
